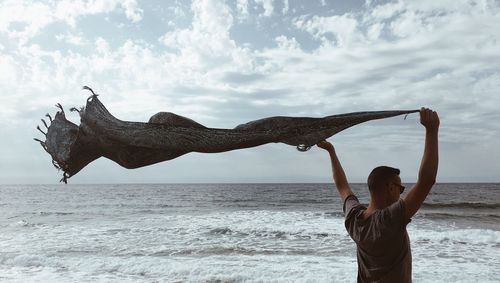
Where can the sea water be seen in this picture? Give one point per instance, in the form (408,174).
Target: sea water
(230,233)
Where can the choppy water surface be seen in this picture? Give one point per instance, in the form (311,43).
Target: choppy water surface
(230,233)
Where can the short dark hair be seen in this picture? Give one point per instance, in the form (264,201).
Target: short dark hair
(380,175)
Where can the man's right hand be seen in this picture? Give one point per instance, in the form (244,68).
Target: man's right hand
(337,170)
(429,119)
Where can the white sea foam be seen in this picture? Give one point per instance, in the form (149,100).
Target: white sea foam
(481,237)
(250,246)
(102,239)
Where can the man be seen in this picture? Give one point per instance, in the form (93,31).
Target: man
(379,230)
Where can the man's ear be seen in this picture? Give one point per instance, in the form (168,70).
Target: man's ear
(388,188)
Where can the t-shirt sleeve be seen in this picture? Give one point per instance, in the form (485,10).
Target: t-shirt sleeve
(351,208)
(349,203)
(395,214)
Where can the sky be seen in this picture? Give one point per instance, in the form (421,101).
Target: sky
(223,63)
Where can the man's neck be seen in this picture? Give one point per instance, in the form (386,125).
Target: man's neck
(379,203)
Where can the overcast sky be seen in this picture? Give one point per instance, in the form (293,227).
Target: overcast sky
(223,63)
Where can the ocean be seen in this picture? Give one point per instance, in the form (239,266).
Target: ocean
(230,233)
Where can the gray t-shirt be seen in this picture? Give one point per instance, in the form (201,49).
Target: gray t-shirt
(383,246)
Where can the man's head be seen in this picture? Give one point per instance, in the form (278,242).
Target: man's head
(384,182)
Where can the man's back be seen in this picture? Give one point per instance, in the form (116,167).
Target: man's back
(383,246)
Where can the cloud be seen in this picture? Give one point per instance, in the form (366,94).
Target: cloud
(267,5)
(242,9)
(286,7)
(22,20)
(71,38)
(287,43)
(132,11)
(378,56)
(357,61)
(8,70)
(386,11)
(343,28)
(206,47)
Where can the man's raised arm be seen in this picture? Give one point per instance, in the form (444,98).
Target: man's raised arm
(429,164)
(338,173)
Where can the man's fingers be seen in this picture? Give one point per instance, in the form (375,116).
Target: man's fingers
(426,114)
(435,116)
(429,118)
(325,145)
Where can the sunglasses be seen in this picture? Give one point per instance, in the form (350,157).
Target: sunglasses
(401,187)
